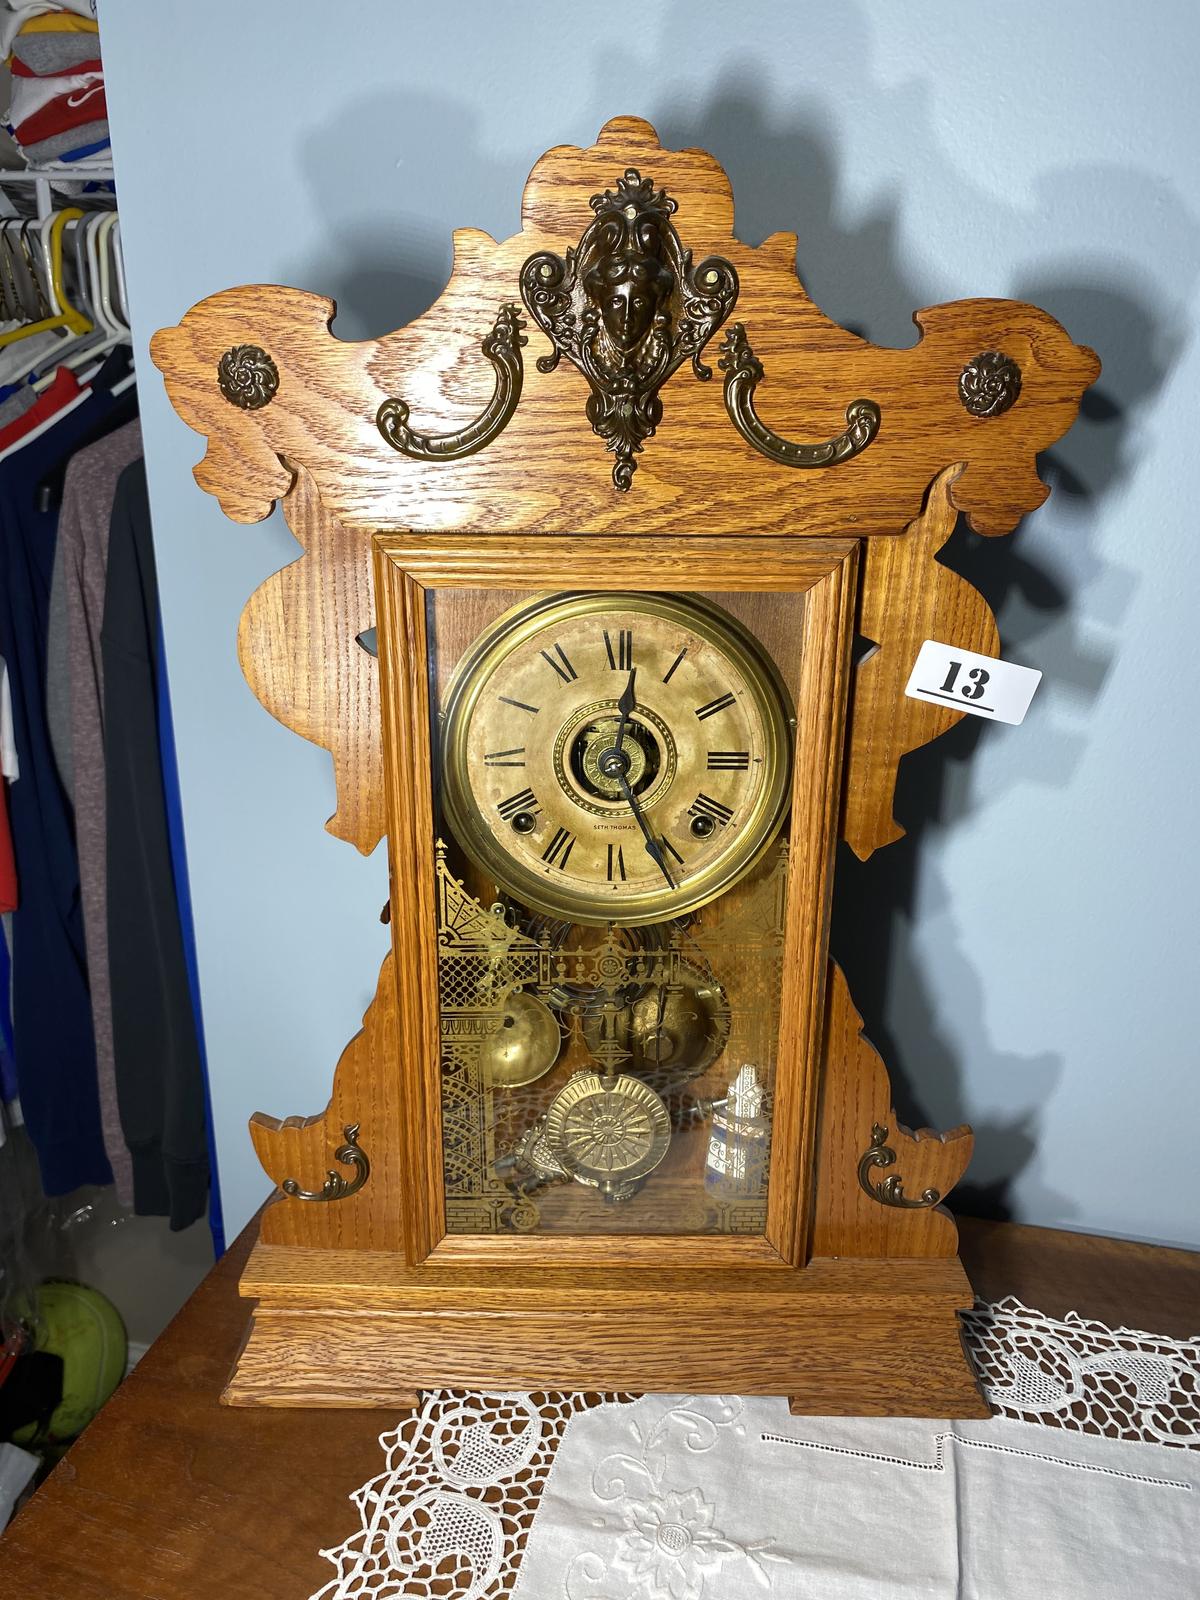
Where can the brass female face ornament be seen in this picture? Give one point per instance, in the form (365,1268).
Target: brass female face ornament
(628,308)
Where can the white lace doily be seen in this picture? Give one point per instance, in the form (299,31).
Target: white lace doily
(452,1512)
(1072,1373)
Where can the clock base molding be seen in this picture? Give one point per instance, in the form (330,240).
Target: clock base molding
(839,1337)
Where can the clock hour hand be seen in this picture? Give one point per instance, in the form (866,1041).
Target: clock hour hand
(625,706)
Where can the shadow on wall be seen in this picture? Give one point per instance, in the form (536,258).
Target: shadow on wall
(389,254)
(385,266)
(785,175)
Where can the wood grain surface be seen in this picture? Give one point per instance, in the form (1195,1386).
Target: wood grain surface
(323,416)
(855,1097)
(367,1092)
(298,644)
(908,596)
(828,1364)
(171,1496)
(316,444)
(859,1337)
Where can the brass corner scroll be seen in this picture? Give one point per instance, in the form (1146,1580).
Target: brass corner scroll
(744,372)
(337,1186)
(502,347)
(889,1191)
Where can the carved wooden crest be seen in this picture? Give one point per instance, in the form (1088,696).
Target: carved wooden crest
(989,385)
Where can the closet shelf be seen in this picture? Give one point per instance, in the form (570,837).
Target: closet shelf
(45,177)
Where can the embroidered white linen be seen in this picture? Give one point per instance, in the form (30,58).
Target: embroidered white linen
(724,1499)
(551,1497)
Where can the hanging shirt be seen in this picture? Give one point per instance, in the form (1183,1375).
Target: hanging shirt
(10,764)
(62,391)
(52,1017)
(10,1110)
(160,1080)
(75,684)
(11,769)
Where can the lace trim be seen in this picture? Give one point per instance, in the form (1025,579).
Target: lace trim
(450,1514)
(1073,1373)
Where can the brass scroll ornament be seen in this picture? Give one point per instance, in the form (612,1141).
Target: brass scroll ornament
(337,1186)
(502,347)
(744,372)
(890,1192)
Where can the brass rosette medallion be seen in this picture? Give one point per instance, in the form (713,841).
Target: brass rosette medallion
(990,385)
(247,377)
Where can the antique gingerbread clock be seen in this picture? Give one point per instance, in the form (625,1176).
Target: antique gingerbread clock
(587,548)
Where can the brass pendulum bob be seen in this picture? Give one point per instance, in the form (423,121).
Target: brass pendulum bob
(525,1046)
(671,1031)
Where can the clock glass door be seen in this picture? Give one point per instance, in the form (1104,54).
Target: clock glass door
(613,775)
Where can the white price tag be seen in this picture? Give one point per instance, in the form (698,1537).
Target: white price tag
(982,685)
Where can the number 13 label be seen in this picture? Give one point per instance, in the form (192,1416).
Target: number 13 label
(996,690)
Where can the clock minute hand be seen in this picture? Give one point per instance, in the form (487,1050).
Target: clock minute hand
(653,848)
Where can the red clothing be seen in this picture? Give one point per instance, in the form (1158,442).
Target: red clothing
(65,112)
(48,404)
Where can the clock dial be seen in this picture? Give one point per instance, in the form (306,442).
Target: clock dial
(616,757)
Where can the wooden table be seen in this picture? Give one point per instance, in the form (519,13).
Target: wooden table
(169,1496)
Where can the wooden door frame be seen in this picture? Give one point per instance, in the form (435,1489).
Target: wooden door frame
(409,565)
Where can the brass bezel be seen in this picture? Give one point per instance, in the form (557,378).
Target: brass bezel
(512,629)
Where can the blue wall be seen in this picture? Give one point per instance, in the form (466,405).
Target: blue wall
(1028,957)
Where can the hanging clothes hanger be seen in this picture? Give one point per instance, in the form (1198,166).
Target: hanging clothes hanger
(73,350)
(40,306)
(122,286)
(65,315)
(14,304)
(11,309)
(111,274)
(80,351)
(28,347)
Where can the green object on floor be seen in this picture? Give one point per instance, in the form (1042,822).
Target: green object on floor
(85,1329)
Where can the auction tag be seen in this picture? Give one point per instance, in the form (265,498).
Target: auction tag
(982,685)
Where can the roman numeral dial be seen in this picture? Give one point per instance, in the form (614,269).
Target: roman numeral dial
(614,757)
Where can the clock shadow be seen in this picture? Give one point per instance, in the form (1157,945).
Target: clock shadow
(1060,601)
(868,258)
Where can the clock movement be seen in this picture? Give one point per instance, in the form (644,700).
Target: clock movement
(577,624)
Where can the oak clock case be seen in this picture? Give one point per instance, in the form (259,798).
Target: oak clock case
(611,1123)
(614,773)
